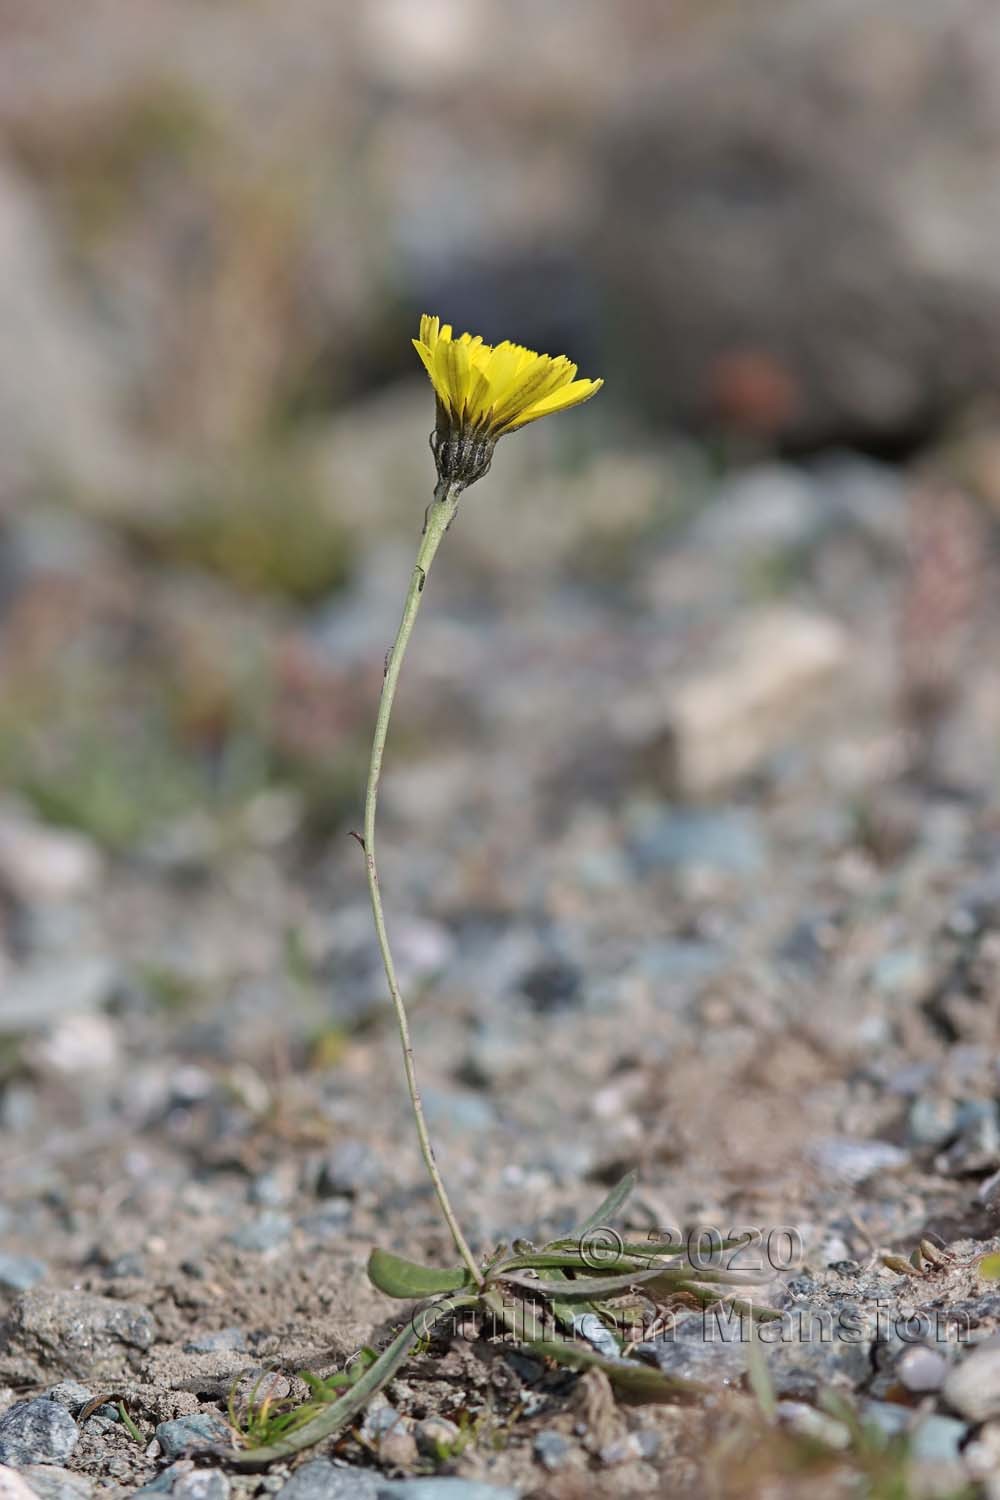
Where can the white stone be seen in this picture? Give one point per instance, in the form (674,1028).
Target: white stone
(46,864)
(749,698)
(973,1387)
(13,1487)
(77,1045)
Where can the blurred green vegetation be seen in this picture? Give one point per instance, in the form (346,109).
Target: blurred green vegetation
(174,678)
(260,520)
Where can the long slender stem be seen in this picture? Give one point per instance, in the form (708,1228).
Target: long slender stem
(439,517)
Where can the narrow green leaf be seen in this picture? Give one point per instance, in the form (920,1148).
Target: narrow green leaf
(336,1416)
(640,1382)
(684,1275)
(708,1296)
(409,1281)
(759,1377)
(584,1286)
(570,1260)
(671,1247)
(615,1200)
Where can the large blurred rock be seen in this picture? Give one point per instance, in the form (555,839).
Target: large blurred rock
(799,227)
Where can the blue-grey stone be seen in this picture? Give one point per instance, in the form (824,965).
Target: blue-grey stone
(725,839)
(269,1190)
(808,945)
(705,1347)
(761,509)
(938,1439)
(932,1439)
(129,1264)
(809,1349)
(853,1161)
(267,1232)
(378,1421)
(328,1221)
(184,1482)
(445,1488)
(978,1147)
(322,1480)
(902,971)
(350,1167)
(553,1450)
(682,960)
(201,1484)
(36,1432)
(213,1343)
(933,1120)
(458,1111)
(71,1394)
(19,1272)
(191,1432)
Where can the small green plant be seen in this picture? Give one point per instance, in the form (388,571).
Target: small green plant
(572,1300)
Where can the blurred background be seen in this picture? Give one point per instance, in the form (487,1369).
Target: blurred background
(696,754)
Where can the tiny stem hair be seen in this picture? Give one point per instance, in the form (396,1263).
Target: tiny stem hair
(439,517)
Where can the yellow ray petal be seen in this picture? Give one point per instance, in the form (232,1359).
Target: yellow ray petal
(569,395)
(426,356)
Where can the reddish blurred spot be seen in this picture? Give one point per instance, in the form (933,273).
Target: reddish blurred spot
(751,390)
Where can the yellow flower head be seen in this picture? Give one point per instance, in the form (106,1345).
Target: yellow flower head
(486,390)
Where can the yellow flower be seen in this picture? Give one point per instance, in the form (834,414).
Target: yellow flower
(487,390)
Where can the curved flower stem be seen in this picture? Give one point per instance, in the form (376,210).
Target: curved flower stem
(439,516)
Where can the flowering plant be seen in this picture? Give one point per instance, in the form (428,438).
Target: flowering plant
(565,1300)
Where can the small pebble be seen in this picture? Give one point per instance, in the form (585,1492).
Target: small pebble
(932,1121)
(931,1439)
(328,1221)
(443,1488)
(19,1272)
(436,1436)
(397,1448)
(807,1422)
(13,1486)
(52,1483)
(186,1482)
(852,1162)
(125,1267)
(71,1394)
(552,986)
(973,1387)
(921,1369)
(322,1480)
(267,1232)
(269,1190)
(36,1432)
(191,1432)
(201,1484)
(378,1421)
(553,1450)
(977,1148)
(622,1451)
(212,1343)
(350,1168)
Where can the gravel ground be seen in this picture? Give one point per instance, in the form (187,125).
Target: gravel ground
(662,895)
